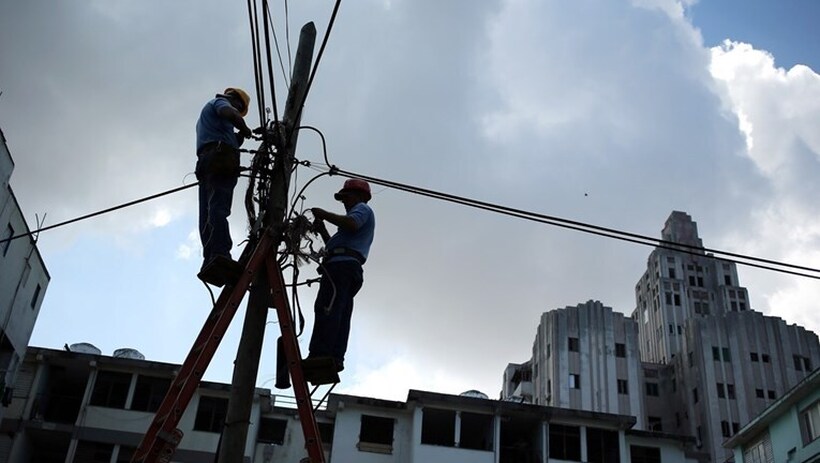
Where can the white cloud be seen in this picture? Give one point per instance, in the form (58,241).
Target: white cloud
(190,248)
(778,111)
(394,378)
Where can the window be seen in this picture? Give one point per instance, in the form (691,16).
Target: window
(272,431)
(548,351)
(572,344)
(9,233)
(759,393)
(810,423)
(753,356)
(110,389)
(700,281)
(680,330)
(735,427)
(93,452)
(691,359)
(691,280)
(672,273)
(36,296)
(620,350)
(668,297)
(671,329)
(574,381)
(677,299)
(641,454)
(438,427)
(727,279)
(765,358)
(727,357)
(210,414)
(725,431)
(720,391)
(602,446)
(654,423)
(652,389)
(759,451)
(623,387)
(149,392)
(807,364)
(565,442)
(716,353)
(476,431)
(771,394)
(376,434)
(695,395)
(730,391)
(798,362)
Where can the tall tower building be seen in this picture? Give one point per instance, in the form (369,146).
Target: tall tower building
(678,286)
(694,359)
(726,362)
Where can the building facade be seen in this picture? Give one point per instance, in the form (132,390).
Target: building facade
(788,430)
(23,281)
(693,359)
(83,407)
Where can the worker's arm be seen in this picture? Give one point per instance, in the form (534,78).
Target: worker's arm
(344,222)
(231,114)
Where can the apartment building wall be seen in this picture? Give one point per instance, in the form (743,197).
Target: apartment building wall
(726,362)
(80,407)
(23,281)
(586,358)
(741,362)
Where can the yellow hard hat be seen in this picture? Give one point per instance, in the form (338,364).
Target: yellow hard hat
(243,95)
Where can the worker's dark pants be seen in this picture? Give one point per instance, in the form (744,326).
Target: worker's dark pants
(340,282)
(216,184)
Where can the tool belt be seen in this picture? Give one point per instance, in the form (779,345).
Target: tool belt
(347,252)
(218,158)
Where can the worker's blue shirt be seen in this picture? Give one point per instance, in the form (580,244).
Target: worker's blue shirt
(212,127)
(359,240)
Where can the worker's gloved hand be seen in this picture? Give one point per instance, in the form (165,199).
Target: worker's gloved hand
(259,130)
(245,132)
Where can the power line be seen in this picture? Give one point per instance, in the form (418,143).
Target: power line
(104,211)
(742,259)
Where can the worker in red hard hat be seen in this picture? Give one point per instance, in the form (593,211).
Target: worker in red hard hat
(341,269)
(217,169)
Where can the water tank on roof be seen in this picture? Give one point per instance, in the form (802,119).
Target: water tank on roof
(126,353)
(84,348)
(474,394)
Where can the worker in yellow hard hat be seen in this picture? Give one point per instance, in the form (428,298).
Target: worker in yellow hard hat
(217,169)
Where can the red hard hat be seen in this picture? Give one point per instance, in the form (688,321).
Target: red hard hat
(354,184)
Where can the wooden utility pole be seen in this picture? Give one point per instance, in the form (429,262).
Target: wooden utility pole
(246,365)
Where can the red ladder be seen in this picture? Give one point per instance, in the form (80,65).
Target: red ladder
(162,437)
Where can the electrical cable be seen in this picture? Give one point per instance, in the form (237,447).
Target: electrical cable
(265,21)
(254,29)
(752,261)
(101,212)
(285,74)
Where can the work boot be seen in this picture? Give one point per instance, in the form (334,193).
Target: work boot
(221,271)
(320,370)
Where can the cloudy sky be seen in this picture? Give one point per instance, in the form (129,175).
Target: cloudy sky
(609,112)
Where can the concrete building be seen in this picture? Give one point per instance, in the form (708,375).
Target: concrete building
(90,408)
(726,362)
(693,359)
(23,281)
(586,358)
(788,430)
